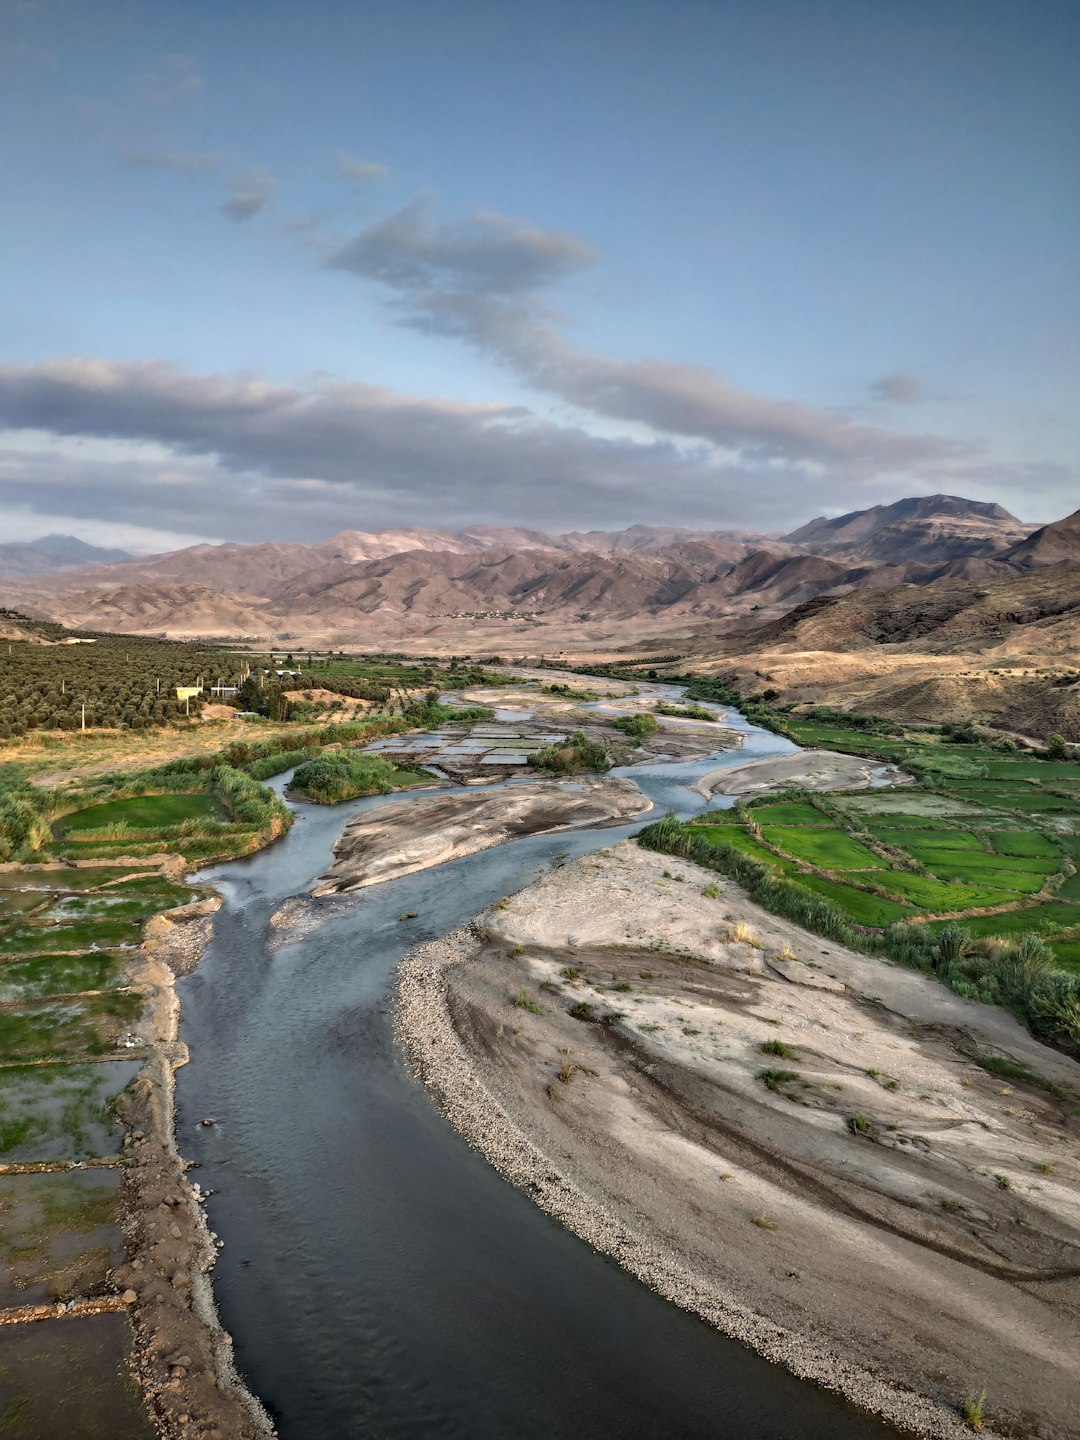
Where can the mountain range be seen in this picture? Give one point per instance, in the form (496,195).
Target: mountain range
(497,583)
(931,607)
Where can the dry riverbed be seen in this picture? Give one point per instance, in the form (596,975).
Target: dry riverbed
(405,836)
(805,770)
(792,1140)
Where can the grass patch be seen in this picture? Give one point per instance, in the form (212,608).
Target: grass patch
(776,1079)
(776,1047)
(59,975)
(82,935)
(92,1025)
(830,849)
(1013,1070)
(145,812)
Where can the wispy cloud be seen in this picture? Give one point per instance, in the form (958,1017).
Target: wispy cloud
(899,390)
(174,81)
(483,280)
(181,162)
(250,195)
(350,167)
(486,254)
(150,444)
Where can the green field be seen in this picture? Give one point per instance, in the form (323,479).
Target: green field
(726,835)
(829,849)
(864,909)
(1050,918)
(790,812)
(912,841)
(981,869)
(1068,953)
(90,1026)
(1028,844)
(59,974)
(83,935)
(940,896)
(146,812)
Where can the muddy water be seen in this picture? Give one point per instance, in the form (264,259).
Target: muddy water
(378,1277)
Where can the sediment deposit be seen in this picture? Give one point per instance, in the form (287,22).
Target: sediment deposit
(407,835)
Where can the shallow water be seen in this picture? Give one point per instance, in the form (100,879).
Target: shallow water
(379,1278)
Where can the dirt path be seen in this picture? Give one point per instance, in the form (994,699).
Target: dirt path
(884,1216)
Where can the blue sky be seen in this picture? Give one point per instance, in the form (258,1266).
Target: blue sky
(270,271)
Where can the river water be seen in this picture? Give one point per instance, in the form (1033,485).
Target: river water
(378,1277)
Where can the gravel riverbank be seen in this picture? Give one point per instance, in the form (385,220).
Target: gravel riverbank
(889,1265)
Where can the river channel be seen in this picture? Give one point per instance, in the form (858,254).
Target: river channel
(378,1277)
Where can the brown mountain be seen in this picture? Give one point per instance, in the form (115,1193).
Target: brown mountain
(490,587)
(1052,545)
(924,528)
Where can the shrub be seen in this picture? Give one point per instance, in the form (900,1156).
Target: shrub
(576,752)
(343,775)
(636,725)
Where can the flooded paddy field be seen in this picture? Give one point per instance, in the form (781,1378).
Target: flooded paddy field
(59,1234)
(69,1378)
(61,1112)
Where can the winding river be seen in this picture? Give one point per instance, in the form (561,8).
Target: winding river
(378,1277)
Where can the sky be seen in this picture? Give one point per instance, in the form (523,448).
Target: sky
(271,271)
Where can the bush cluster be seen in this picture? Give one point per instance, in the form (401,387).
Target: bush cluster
(343,775)
(576,752)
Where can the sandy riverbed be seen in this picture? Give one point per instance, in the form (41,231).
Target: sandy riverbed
(805,770)
(404,836)
(890,1220)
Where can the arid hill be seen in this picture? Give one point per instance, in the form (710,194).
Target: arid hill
(1054,544)
(1006,653)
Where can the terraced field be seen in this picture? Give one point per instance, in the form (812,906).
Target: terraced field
(987,841)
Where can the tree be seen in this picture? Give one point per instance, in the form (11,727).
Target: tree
(1057,749)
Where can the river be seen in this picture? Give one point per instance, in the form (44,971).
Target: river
(379,1278)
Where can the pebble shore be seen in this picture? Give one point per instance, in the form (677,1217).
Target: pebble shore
(438,1057)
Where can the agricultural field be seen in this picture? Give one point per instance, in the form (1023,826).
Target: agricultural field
(982,854)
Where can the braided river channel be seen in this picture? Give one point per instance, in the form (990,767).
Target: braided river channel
(379,1279)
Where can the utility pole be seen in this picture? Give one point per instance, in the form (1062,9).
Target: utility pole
(83,725)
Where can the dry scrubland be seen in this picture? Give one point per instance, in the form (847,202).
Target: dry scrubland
(796,1141)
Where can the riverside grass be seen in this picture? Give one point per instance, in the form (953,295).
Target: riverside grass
(1017,972)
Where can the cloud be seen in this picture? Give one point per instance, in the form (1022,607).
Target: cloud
(243,456)
(148,444)
(486,254)
(483,281)
(183,162)
(899,390)
(352,168)
(250,196)
(173,82)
